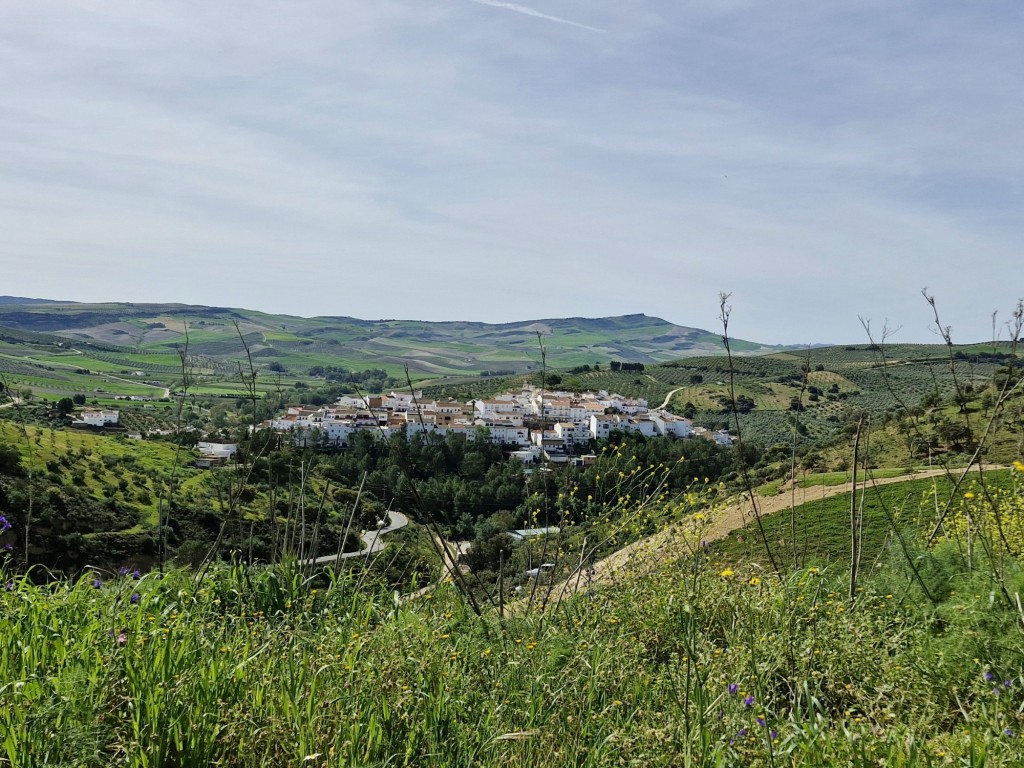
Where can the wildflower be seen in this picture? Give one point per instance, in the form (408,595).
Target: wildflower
(9,586)
(774,734)
(97,583)
(8,547)
(754,581)
(742,732)
(727,573)
(122,571)
(968,495)
(136,574)
(122,639)
(761,722)
(989,676)
(1008,731)
(4,525)
(733,687)
(135,598)
(749,701)
(1008,683)
(1019,466)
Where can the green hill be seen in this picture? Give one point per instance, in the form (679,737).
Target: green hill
(430,349)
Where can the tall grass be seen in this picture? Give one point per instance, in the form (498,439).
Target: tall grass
(692,664)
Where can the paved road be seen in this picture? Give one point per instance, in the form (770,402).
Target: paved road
(372,540)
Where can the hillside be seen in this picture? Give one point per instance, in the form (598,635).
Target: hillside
(25,300)
(297,343)
(645,627)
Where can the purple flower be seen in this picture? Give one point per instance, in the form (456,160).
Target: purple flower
(1008,683)
(775,734)
(8,547)
(721,714)
(136,574)
(9,586)
(742,732)
(749,701)
(989,676)
(122,639)
(135,598)
(97,583)
(1008,732)
(761,722)
(122,571)
(733,688)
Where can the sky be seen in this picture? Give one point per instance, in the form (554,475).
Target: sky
(502,161)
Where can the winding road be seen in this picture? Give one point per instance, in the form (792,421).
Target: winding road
(372,541)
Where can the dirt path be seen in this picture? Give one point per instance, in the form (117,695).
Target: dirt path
(734,516)
(668,398)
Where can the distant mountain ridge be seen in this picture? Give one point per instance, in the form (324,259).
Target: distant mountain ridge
(24,300)
(444,348)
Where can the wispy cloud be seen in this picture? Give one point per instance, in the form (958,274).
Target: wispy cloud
(775,151)
(527,11)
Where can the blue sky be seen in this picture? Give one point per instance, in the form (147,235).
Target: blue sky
(497,161)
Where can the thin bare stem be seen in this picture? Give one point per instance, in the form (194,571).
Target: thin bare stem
(724,312)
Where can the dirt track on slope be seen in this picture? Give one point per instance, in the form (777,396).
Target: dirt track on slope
(632,557)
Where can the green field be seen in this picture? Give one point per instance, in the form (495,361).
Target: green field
(149,337)
(823,527)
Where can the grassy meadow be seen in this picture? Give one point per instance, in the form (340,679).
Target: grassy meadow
(694,663)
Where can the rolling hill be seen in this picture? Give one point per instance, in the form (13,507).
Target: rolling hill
(431,349)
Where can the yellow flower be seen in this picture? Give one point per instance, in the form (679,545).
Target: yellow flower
(727,573)
(754,581)
(1019,466)
(968,495)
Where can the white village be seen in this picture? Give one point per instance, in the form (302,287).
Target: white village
(538,425)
